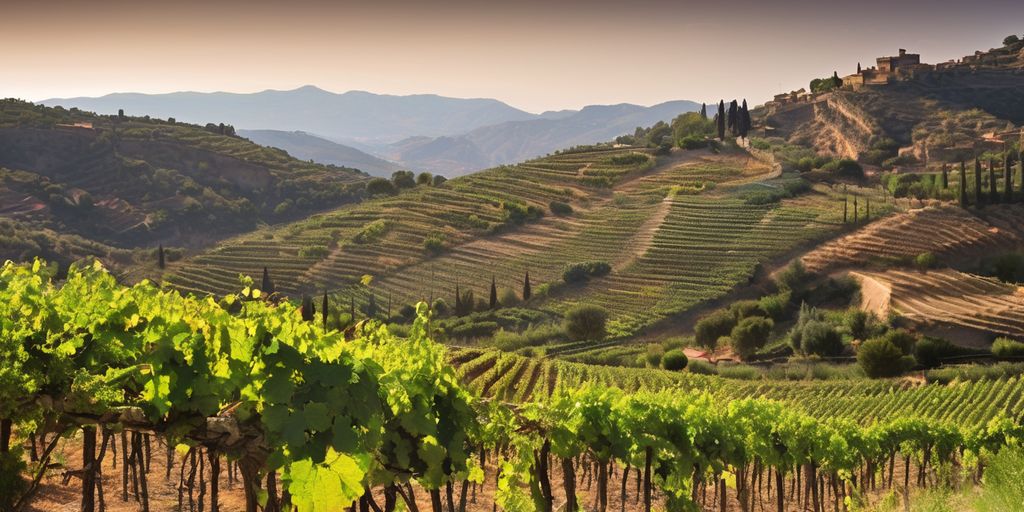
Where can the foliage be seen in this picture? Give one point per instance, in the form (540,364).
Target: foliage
(380,187)
(713,326)
(674,360)
(879,357)
(930,352)
(580,272)
(560,208)
(750,335)
(1005,348)
(586,322)
(820,338)
(925,260)
(1003,482)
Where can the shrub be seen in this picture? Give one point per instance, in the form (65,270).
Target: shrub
(794,277)
(586,322)
(579,272)
(373,231)
(856,322)
(713,326)
(701,367)
(775,306)
(693,142)
(508,298)
(674,360)
(1005,348)
(434,244)
(849,169)
(1004,481)
(315,252)
(407,312)
(439,180)
(424,178)
(929,352)
(474,330)
(879,357)
(441,307)
(403,179)
(560,208)
(745,308)
(380,187)
(902,339)
(820,338)
(654,354)
(530,337)
(925,261)
(750,335)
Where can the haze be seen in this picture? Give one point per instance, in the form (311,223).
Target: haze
(533,55)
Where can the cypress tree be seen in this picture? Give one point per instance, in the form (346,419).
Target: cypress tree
(720,120)
(867,209)
(704,111)
(855,209)
(945,176)
(308,310)
(160,256)
(267,286)
(733,124)
(458,300)
(963,184)
(324,310)
(977,182)
(1007,178)
(858,68)
(527,292)
(371,306)
(846,202)
(494,294)
(993,193)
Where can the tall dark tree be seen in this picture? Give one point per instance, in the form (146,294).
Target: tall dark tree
(867,209)
(855,209)
(704,110)
(733,123)
(963,184)
(267,286)
(324,310)
(744,120)
(160,262)
(858,68)
(458,300)
(720,120)
(494,294)
(977,182)
(945,176)
(993,192)
(120,114)
(371,307)
(846,203)
(1007,178)
(527,291)
(308,309)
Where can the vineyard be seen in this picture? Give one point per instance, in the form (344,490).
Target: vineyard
(319,419)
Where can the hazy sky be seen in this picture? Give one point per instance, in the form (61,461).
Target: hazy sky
(535,55)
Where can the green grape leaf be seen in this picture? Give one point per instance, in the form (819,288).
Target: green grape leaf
(327,487)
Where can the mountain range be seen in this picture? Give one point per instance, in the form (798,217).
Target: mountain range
(424,132)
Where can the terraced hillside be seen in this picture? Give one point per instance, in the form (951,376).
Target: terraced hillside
(676,231)
(948,300)
(513,377)
(136,182)
(953,234)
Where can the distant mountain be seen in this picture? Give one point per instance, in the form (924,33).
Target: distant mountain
(306,146)
(515,141)
(354,115)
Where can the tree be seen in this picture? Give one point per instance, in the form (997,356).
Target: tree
(855,209)
(493,303)
(977,182)
(308,310)
(708,329)
(858,68)
(879,357)
(745,122)
(371,307)
(439,180)
(458,300)
(160,256)
(1011,39)
(324,307)
(750,335)
(720,120)
(403,179)
(993,193)
(266,286)
(704,111)
(1007,178)
(945,176)
(527,292)
(586,322)
(424,178)
(846,202)
(120,114)
(963,184)
(819,338)
(733,118)
(380,187)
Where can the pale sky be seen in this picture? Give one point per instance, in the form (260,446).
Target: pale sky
(534,55)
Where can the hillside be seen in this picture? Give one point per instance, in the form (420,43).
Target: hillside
(354,115)
(305,146)
(515,141)
(136,182)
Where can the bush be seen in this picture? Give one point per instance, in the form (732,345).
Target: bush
(820,338)
(1004,481)
(380,187)
(674,360)
(902,339)
(654,355)
(441,307)
(1005,348)
(530,337)
(775,306)
(1011,39)
(713,326)
(794,277)
(849,169)
(560,208)
(586,322)
(745,308)
(693,142)
(750,335)
(929,352)
(856,323)
(434,244)
(508,298)
(579,272)
(403,179)
(702,367)
(879,357)
(925,261)
(474,330)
